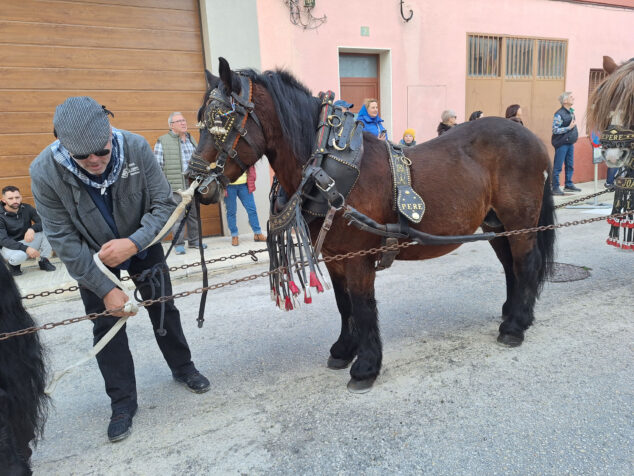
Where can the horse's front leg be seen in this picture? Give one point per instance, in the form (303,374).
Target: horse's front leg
(360,274)
(344,350)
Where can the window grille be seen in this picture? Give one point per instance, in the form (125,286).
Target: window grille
(551,59)
(519,58)
(596,76)
(484,56)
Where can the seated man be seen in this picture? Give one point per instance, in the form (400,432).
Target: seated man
(21,235)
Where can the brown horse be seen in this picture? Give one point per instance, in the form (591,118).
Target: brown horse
(491,173)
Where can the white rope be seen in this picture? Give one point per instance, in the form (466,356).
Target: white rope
(130,306)
(187,196)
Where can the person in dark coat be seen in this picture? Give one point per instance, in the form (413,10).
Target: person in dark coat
(448,120)
(514,113)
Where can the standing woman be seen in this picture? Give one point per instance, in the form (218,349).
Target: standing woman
(448,118)
(514,113)
(372,122)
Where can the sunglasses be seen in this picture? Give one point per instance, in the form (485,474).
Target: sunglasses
(100,153)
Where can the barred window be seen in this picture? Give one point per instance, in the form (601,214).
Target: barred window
(519,57)
(596,76)
(484,56)
(551,59)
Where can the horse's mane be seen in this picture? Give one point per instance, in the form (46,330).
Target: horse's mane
(297,109)
(614,93)
(22,369)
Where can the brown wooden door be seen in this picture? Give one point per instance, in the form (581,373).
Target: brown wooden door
(150,65)
(359,78)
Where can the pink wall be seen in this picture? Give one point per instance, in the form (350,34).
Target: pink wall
(429,53)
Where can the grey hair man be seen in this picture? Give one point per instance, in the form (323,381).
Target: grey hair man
(21,235)
(564,136)
(99,190)
(173,151)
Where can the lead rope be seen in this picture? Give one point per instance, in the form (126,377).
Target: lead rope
(129,306)
(203,297)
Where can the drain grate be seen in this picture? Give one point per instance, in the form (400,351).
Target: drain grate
(563,273)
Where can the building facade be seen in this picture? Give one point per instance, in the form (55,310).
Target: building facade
(145,59)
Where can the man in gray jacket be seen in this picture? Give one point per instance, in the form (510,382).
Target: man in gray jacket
(99,189)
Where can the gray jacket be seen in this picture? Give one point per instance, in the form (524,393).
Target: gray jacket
(142,203)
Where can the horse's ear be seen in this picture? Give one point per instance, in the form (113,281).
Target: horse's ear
(609,65)
(212,81)
(225,74)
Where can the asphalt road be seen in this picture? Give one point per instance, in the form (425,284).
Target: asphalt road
(449,401)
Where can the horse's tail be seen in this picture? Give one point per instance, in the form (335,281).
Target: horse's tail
(546,238)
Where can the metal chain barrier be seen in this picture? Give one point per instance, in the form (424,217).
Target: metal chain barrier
(340,257)
(196,264)
(577,200)
(251,253)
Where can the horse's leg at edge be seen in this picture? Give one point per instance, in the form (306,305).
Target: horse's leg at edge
(527,263)
(344,350)
(502,249)
(360,275)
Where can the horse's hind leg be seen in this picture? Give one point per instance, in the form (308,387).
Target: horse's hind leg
(344,350)
(527,265)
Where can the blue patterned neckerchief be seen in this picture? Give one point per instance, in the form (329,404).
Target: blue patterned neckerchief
(62,156)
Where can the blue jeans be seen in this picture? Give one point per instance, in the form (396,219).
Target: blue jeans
(564,154)
(609,179)
(246,198)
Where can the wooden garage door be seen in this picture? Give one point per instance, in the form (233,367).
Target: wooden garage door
(141,58)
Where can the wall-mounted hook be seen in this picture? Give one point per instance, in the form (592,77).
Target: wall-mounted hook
(411,13)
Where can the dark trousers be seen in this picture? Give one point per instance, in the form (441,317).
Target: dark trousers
(115,360)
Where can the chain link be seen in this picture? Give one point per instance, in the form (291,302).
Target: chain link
(327,259)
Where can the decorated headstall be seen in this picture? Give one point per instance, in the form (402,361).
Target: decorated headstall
(622,229)
(225,118)
(618,137)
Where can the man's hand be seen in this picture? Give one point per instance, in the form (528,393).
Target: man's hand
(32,253)
(116,299)
(115,252)
(29,235)
(573,123)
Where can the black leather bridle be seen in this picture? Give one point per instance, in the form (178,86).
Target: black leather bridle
(225,118)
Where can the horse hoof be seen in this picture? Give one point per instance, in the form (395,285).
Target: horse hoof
(361,386)
(508,340)
(338,364)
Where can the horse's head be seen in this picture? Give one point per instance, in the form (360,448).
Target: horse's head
(231,138)
(612,111)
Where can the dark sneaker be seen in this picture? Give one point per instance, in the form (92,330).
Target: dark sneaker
(196,246)
(557,191)
(46,265)
(572,188)
(609,186)
(15,270)
(120,426)
(194,382)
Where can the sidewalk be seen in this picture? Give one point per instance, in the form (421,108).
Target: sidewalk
(33,280)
